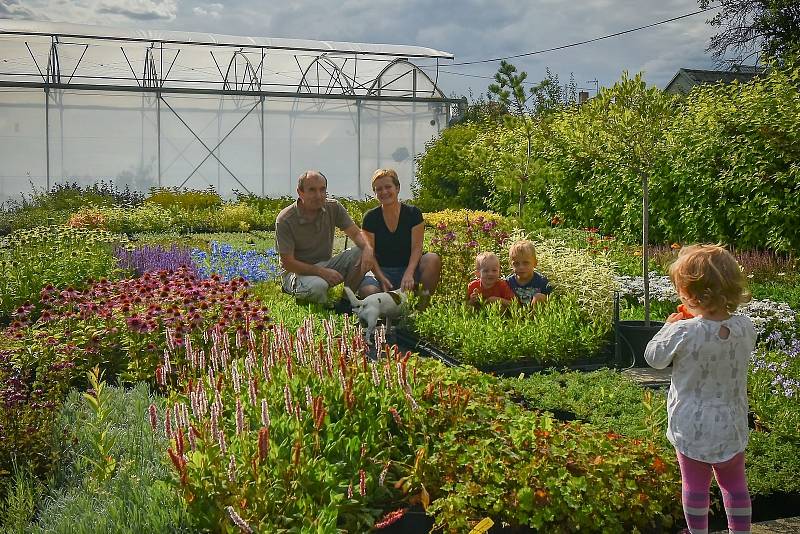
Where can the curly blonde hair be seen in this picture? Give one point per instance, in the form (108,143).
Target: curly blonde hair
(710,276)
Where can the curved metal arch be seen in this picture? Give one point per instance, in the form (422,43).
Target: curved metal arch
(336,70)
(249,72)
(372,89)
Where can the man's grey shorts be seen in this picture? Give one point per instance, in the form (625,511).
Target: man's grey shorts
(315,289)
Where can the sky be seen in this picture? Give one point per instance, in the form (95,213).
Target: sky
(469,29)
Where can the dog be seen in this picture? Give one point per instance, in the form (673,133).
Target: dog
(387,304)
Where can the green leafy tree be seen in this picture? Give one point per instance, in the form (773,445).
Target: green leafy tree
(446,177)
(526,110)
(751,27)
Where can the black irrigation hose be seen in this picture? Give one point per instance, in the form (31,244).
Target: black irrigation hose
(409,340)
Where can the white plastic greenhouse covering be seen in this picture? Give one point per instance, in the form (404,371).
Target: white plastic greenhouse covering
(174,109)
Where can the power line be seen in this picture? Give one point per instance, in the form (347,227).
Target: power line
(609,36)
(492,78)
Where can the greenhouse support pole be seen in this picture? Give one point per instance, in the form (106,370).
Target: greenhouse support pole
(47,133)
(645,240)
(358,144)
(414,129)
(158,134)
(262,146)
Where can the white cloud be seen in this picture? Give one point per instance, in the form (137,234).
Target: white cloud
(142,10)
(11,9)
(208,10)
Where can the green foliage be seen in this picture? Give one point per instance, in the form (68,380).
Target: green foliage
(446,178)
(137,497)
(782,289)
(58,256)
(729,169)
(19,495)
(599,154)
(559,333)
(607,399)
(99,457)
(773,461)
(182,199)
(349,443)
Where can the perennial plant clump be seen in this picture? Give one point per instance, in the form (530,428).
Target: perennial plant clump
(231,263)
(59,256)
(147,258)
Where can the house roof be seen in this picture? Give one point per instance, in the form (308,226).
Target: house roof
(685,79)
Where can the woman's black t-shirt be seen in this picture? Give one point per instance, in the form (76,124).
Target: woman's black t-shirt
(392,249)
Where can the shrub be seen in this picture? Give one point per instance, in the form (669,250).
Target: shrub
(445,177)
(178,199)
(728,171)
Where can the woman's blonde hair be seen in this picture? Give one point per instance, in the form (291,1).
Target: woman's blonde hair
(523,247)
(482,257)
(711,277)
(380,173)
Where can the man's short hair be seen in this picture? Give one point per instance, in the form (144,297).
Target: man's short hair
(301,180)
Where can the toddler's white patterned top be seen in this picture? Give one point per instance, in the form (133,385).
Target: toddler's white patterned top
(707,401)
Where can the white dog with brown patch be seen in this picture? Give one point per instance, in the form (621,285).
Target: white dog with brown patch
(387,304)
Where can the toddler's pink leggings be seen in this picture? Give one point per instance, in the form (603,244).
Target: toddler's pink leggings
(696,479)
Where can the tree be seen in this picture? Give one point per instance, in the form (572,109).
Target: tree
(545,97)
(751,27)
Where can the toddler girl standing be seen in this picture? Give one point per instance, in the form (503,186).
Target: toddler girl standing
(707,401)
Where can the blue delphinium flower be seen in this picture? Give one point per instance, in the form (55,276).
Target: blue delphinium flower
(230,263)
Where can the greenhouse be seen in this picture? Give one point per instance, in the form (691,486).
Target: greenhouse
(151,108)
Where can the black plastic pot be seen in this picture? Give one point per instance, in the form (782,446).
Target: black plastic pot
(632,338)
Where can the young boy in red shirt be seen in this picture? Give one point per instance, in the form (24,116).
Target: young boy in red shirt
(488,286)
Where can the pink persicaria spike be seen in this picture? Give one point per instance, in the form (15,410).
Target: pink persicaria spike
(265,413)
(214,421)
(384,471)
(376,379)
(168,423)
(362,482)
(238,521)
(287,399)
(237,385)
(223,447)
(251,390)
(153,413)
(239,417)
(232,469)
(192,439)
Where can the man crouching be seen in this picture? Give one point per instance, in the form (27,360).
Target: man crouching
(304,234)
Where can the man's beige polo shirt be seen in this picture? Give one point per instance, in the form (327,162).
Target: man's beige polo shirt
(311,241)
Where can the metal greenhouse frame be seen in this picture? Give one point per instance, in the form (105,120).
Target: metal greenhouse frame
(157,108)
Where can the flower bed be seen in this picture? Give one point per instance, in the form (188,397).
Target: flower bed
(279,431)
